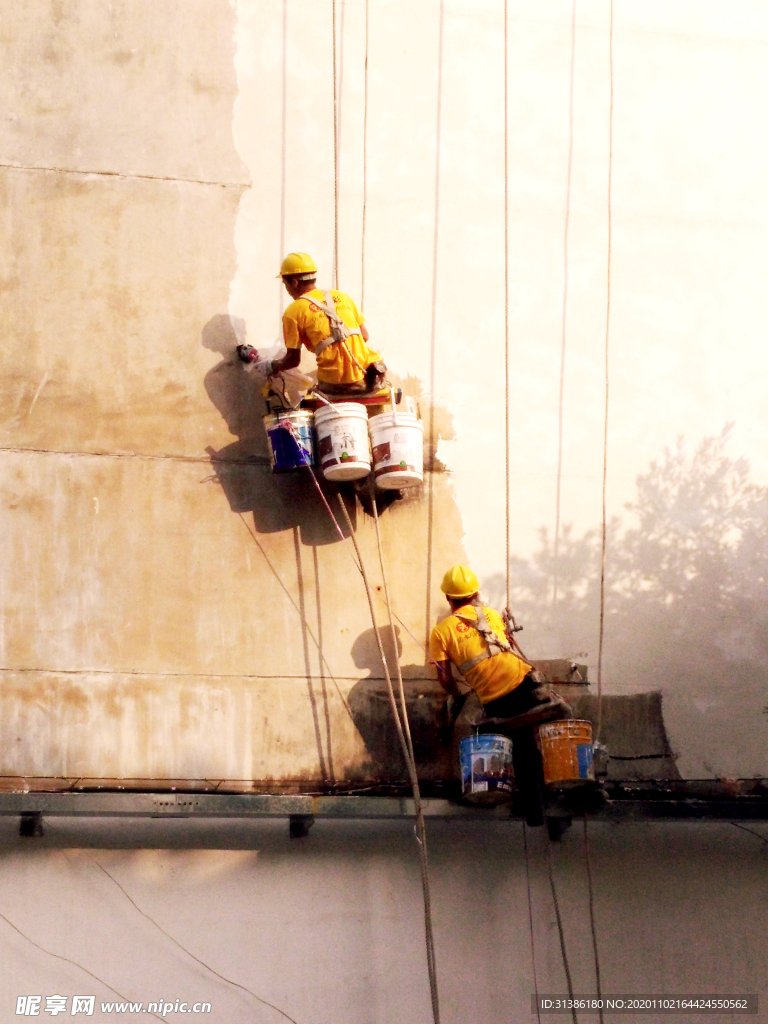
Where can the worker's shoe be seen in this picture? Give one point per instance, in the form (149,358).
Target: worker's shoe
(374,376)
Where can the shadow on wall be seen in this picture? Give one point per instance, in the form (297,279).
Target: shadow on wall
(372,713)
(277,501)
(686,605)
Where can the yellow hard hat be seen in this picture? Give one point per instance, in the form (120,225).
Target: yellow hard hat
(297,263)
(460,581)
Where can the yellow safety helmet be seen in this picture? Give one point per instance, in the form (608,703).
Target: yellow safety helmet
(297,263)
(460,581)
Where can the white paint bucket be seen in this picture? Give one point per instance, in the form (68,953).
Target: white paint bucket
(397,440)
(342,441)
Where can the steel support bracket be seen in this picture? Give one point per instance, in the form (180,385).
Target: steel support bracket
(299,825)
(31,825)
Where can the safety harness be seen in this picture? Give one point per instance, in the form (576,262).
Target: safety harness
(339,330)
(494,643)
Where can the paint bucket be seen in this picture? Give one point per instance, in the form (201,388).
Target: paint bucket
(291,441)
(487,775)
(397,441)
(342,441)
(566,751)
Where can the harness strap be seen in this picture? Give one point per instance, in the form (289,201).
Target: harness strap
(475,661)
(491,638)
(339,330)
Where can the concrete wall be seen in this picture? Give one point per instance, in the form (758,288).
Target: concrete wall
(329,928)
(169,610)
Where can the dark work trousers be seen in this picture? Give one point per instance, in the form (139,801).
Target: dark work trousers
(526,758)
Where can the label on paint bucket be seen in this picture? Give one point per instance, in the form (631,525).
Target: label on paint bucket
(584,755)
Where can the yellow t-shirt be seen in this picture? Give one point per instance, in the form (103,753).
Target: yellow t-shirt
(304,323)
(457,641)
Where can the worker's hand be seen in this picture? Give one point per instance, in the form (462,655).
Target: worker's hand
(247,353)
(264,367)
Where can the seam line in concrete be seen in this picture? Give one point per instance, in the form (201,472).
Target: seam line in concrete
(191,675)
(128,177)
(256,460)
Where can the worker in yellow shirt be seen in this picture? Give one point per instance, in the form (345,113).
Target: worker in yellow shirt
(473,638)
(327,323)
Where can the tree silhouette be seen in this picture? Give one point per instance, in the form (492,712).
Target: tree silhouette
(686,608)
(686,577)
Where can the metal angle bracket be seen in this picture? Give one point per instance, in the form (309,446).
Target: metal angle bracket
(299,825)
(31,825)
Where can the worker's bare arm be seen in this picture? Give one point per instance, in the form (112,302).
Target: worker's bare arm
(290,361)
(445,678)
(364,332)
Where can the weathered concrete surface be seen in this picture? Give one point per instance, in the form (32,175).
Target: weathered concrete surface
(151,631)
(122,87)
(143,537)
(139,564)
(279,733)
(107,287)
(632,728)
(329,929)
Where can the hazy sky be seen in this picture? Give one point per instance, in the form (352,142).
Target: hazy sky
(689,215)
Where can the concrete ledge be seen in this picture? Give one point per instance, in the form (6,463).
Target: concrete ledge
(686,801)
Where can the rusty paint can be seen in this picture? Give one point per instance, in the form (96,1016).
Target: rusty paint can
(566,752)
(487,775)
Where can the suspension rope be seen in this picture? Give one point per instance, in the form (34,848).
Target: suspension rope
(323,498)
(607,383)
(560,932)
(507,503)
(335,157)
(566,239)
(506,304)
(433,330)
(283,142)
(530,919)
(422,832)
(407,749)
(598,984)
(401,688)
(402,726)
(322,659)
(287,425)
(365,162)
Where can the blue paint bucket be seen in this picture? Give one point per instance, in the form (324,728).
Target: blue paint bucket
(487,775)
(291,439)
